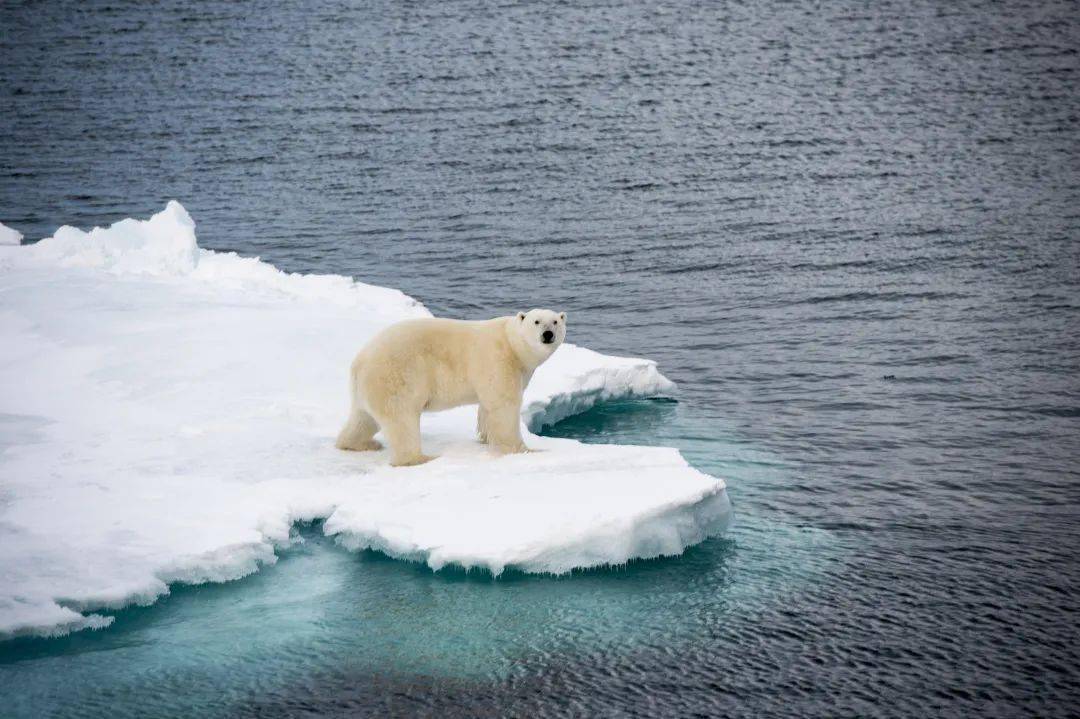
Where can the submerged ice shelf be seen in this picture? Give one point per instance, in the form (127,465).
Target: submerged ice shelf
(168,414)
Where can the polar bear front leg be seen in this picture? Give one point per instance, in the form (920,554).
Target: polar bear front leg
(504,428)
(403,435)
(481,424)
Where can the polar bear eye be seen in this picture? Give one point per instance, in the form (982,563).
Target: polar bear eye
(556,322)
(538,322)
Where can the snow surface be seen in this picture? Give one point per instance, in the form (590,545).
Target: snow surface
(168,414)
(9,236)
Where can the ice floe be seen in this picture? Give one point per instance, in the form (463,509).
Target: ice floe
(168,414)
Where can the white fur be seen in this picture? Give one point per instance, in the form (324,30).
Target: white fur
(434,364)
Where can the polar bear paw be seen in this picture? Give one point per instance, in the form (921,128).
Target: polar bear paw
(410,461)
(369,445)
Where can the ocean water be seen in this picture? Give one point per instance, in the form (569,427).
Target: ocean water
(850,232)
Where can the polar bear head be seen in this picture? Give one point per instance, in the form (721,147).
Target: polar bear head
(542,330)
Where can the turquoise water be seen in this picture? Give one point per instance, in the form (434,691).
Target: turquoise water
(325,625)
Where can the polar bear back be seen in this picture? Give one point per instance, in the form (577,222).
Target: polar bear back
(434,364)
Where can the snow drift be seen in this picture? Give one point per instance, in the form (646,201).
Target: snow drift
(168,414)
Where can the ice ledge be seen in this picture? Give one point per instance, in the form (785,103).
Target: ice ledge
(566,506)
(661,532)
(564,386)
(168,412)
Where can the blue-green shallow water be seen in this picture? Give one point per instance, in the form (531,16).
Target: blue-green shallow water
(849,231)
(328,630)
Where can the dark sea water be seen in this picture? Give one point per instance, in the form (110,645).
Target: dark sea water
(849,231)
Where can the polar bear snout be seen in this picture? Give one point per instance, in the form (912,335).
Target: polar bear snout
(543,330)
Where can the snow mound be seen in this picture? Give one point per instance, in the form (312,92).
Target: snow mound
(9,236)
(163,244)
(168,415)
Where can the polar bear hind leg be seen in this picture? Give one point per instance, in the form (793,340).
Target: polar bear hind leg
(358,432)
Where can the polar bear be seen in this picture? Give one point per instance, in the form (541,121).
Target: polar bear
(434,364)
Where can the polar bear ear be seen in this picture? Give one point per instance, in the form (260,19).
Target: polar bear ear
(521,316)
(562,316)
